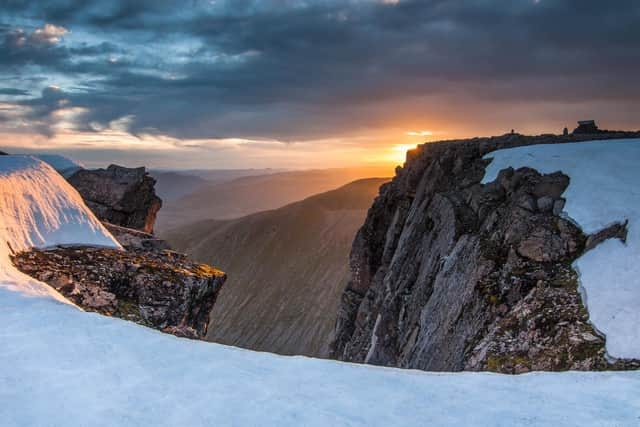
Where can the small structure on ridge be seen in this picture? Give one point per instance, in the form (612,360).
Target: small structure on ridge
(586,126)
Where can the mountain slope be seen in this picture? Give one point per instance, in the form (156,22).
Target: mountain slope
(251,194)
(174,185)
(286,269)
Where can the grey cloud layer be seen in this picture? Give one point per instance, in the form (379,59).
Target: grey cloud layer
(289,69)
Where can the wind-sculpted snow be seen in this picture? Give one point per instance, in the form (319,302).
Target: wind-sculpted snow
(603,190)
(63,165)
(38,208)
(60,366)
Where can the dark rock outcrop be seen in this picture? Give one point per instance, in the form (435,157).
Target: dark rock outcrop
(450,274)
(614,231)
(119,195)
(159,289)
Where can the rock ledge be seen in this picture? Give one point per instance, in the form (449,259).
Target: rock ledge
(160,289)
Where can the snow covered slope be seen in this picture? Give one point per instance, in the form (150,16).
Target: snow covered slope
(38,208)
(60,366)
(604,189)
(64,165)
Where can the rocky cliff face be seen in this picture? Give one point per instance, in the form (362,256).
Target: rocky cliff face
(119,195)
(157,288)
(449,274)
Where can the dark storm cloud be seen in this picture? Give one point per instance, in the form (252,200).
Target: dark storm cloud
(13,92)
(290,69)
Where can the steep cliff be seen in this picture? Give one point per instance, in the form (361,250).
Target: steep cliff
(451,274)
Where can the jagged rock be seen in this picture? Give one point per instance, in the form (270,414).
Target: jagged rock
(449,274)
(119,195)
(614,231)
(160,289)
(2,153)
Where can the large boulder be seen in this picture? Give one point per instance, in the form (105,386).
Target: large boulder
(119,195)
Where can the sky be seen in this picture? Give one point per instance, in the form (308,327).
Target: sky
(305,84)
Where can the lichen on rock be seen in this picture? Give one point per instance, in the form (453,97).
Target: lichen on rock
(160,289)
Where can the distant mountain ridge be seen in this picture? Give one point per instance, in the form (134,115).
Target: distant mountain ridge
(250,194)
(174,184)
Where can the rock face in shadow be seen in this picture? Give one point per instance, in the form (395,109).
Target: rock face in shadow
(449,274)
(119,195)
(160,289)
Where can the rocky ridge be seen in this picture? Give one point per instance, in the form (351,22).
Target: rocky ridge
(449,274)
(145,282)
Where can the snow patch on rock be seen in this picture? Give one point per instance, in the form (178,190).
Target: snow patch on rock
(38,208)
(603,190)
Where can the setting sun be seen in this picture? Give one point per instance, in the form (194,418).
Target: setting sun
(399,152)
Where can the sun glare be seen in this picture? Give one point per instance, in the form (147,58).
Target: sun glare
(420,133)
(399,151)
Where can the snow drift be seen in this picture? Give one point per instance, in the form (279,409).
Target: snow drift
(60,366)
(63,165)
(38,208)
